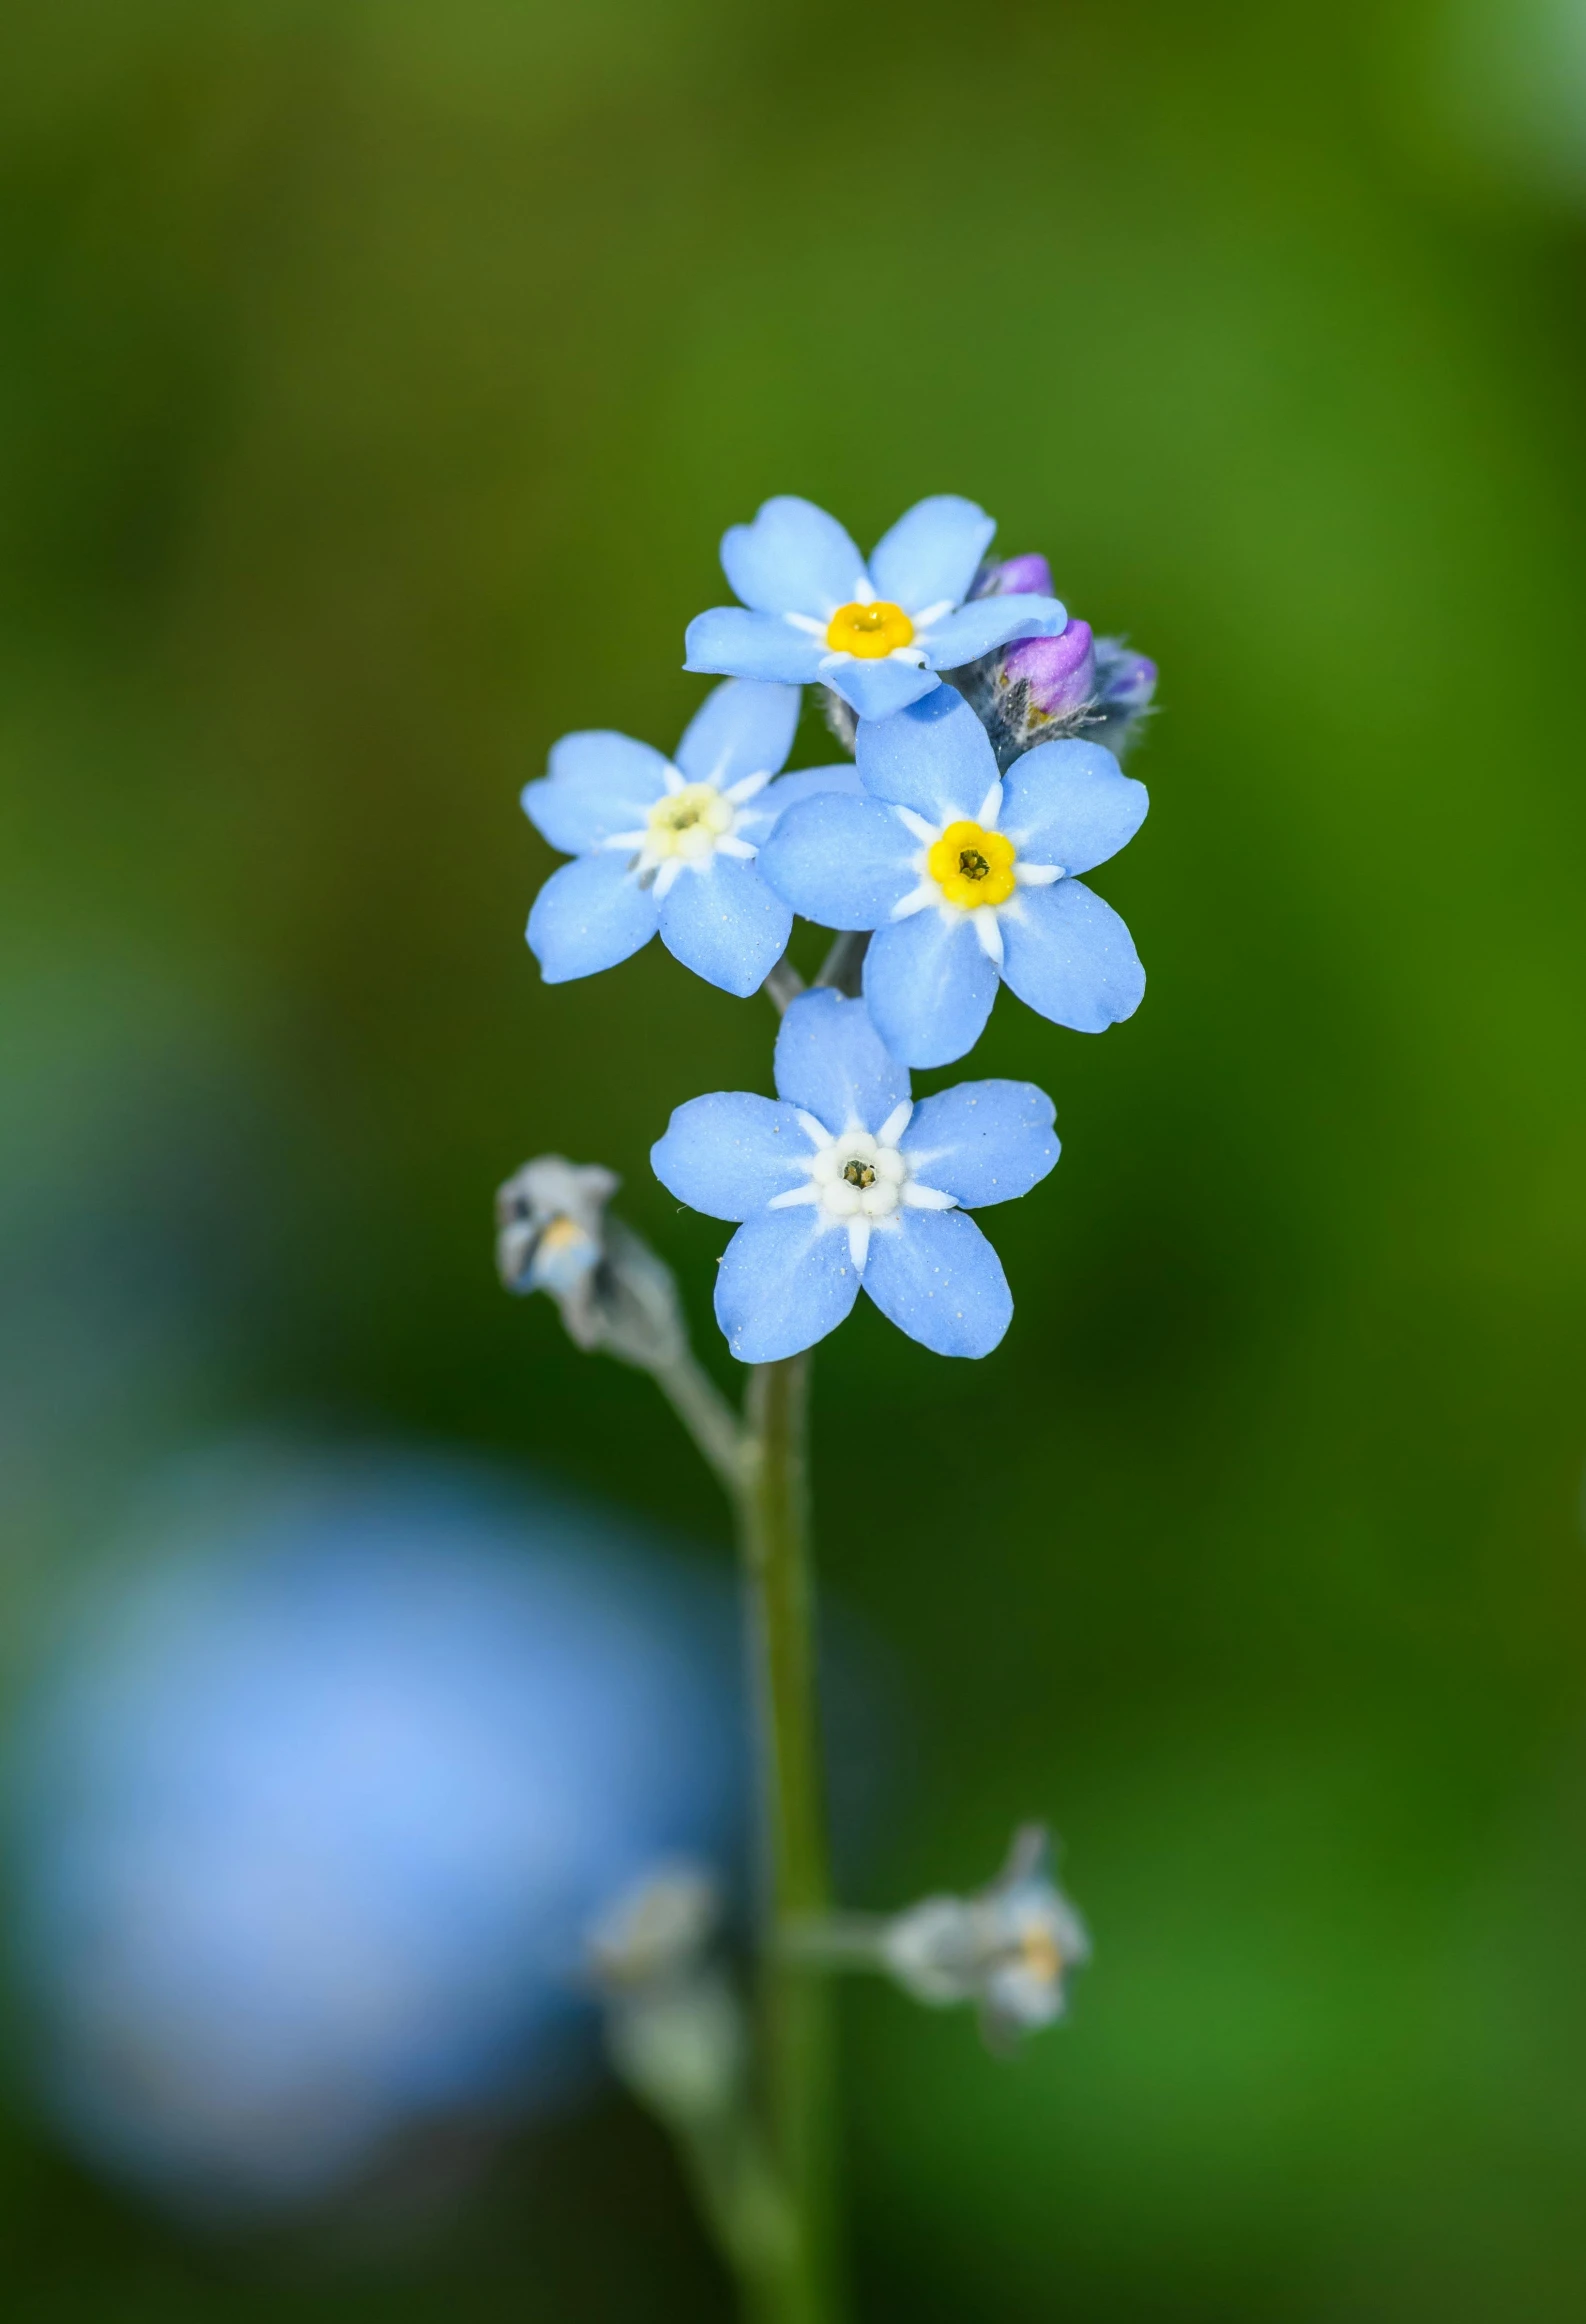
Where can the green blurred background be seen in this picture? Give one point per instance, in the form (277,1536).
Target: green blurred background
(377,382)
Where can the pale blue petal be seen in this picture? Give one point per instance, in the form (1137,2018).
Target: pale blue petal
(933,757)
(939,1280)
(990,621)
(878,689)
(830,1061)
(726,924)
(929,987)
(985,1141)
(751,645)
(842,861)
(588,916)
(742,728)
(730,1154)
(794,558)
(599,784)
(1070,956)
(932,553)
(765,809)
(787,1279)
(1070,803)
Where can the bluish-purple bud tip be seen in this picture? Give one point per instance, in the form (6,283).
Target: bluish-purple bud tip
(1130,683)
(1059,671)
(1030,575)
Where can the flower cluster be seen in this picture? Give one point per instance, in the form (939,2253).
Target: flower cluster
(986,725)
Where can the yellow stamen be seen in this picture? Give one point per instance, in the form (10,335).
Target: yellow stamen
(972,866)
(870,631)
(1038,1951)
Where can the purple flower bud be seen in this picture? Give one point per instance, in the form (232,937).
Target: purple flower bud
(1030,575)
(1129,683)
(1060,672)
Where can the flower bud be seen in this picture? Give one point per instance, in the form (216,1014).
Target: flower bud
(1058,673)
(1029,575)
(674,2027)
(1125,685)
(554,1235)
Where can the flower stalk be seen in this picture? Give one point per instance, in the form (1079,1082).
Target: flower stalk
(795,2000)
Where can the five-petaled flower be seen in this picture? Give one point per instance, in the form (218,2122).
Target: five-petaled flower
(841,1181)
(1007,1949)
(672,845)
(967,876)
(878,635)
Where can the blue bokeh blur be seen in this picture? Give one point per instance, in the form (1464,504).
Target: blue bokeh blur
(314,1808)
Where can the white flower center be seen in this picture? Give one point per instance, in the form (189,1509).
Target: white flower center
(861,1179)
(857,1176)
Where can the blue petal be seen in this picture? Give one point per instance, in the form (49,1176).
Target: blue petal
(990,621)
(598,784)
(730,1153)
(929,987)
(939,1280)
(588,916)
(751,645)
(1070,956)
(794,558)
(1070,803)
(757,820)
(742,728)
(830,1061)
(878,689)
(932,553)
(841,861)
(934,757)
(726,924)
(985,1141)
(787,1279)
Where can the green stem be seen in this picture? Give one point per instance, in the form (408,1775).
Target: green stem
(798,2035)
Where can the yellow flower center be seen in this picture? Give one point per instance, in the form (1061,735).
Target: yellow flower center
(870,631)
(972,866)
(1039,1953)
(688,822)
(859,1173)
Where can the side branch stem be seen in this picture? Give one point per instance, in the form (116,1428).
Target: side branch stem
(795,2002)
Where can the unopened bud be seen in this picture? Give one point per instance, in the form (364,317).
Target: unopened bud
(674,2026)
(1016,576)
(1058,673)
(555,1234)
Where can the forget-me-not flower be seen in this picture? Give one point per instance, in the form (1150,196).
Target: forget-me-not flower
(672,845)
(1008,1948)
(967,877)
(878,635)
(841,1181)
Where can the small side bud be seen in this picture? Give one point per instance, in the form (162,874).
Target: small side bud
(554,1234)
(1017,576)
(1008,1949)
(1125,687)
(674,2026)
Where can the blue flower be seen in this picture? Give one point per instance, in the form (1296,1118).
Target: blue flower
(966,877)
(841,1180)
(671,846)
(877,637)
(313,1807)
